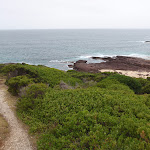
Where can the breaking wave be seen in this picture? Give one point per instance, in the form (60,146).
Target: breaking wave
(128,55)
(59,61)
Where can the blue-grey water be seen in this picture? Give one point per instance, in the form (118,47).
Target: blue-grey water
(57,48)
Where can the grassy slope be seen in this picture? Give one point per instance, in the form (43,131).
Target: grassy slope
(104,115)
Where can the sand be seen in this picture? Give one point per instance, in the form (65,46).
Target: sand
(136,74)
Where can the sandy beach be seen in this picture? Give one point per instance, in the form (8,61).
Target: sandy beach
(136,74)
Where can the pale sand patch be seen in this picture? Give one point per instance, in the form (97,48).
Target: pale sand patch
(136,74)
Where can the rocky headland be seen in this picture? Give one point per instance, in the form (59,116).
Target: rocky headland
(114,63)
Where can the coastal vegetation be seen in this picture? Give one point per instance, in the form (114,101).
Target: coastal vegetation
(94,110)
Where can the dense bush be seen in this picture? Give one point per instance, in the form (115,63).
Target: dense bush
(14,70)
(113,84)
(133,84)
(148,78)
(146,88)
(93,118)
(106,83)
(145,85)
(35,90)
(40,73)
(16,83)
(1,66)
(81,75)
(89,76)
(33,94)
(106,115)
(142,81)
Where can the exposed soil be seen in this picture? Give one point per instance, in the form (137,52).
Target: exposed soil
(18,138)
(4,130)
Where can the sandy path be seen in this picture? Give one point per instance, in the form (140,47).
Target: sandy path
(18,139)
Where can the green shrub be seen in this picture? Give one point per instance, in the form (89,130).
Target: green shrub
(8,68)
(133,84)
(42,74)
(19,69)
(89,76)
(145,85)
(108,115)
(36,90)
(89,118)
(16,83)
(1,66)
(148,101)
(142,81)
(146,88)
(148,78)
(34,93)
(107,82)
(113,84)
(81,75)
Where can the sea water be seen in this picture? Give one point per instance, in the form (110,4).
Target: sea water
(59,48)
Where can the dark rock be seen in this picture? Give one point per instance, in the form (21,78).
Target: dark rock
(102,58)
(107,58)
(81,61)
(96,57)
(70,66)
(116,63)
(147,41)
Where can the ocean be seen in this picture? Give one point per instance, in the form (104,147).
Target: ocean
(60,47)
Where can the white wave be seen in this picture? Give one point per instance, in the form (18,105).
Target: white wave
(136,41)
(101,55)
(140,41)
(95,55)
(113,56)
(54,61)
(89,57)
(59,61)
(85,57)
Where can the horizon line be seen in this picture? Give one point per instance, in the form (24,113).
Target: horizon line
(78,29)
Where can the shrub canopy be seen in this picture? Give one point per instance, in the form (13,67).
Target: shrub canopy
(99,111)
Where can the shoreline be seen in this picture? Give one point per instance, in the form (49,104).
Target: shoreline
(129,66)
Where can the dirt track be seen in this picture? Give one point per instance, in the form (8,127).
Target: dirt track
(18,138)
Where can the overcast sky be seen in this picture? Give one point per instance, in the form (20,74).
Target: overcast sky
(49,14)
